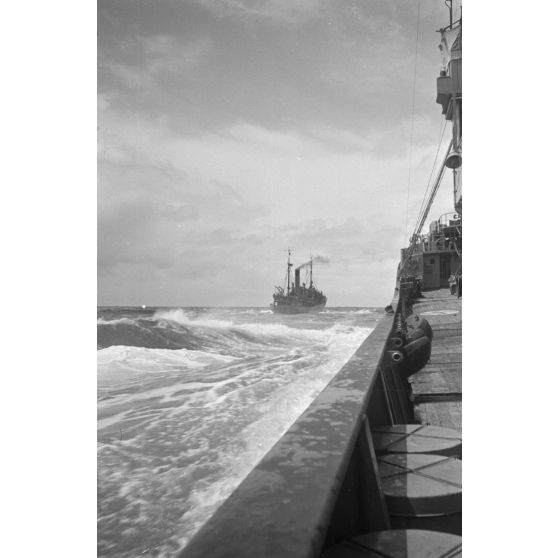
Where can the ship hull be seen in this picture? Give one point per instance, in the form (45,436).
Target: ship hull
(295,308)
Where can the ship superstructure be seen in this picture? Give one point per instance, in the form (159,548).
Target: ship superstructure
(433,260)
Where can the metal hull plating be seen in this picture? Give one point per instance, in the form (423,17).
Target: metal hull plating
(296,308)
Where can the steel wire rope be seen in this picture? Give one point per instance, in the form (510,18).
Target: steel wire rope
(432,195)
(412,120)
(434,189)
(443,124)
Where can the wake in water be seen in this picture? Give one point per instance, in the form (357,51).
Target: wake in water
(189,400)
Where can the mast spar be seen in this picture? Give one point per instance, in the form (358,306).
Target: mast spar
(310,269)
(449,4)
(289,265)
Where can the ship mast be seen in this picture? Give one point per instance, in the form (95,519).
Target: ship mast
(450,7)
(310,269)
(289,265)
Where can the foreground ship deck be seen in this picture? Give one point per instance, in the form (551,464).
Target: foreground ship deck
(437,387)
(323,481)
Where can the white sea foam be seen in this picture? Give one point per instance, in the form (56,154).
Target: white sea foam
(119,365)
(153,360)
(181,317)
(276,412)
(116,321)
(256,329)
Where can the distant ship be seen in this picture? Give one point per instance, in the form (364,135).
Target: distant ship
(296,298)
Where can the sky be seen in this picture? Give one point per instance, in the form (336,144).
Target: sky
(230,130)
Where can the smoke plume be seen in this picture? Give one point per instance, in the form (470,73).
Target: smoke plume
(316,260)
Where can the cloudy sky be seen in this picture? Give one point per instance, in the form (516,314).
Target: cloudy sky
(231,129)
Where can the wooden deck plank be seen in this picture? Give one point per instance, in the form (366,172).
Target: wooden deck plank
(440,414)
(438,382)
(437,387)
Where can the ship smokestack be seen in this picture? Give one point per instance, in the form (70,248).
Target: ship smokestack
(297,278)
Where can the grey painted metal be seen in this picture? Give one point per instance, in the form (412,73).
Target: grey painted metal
(397,543)
(284,506)
(378,502)
(416,438)
(422,491)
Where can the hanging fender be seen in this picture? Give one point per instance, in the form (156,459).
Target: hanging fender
(417,354)
(418,327)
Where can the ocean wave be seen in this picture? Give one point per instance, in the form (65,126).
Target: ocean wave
(349,312)
(219,332)
(255,330)
(157,358)
(143,333)
(102,321)
(180,316)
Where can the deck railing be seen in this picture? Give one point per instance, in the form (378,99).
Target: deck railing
(436,245)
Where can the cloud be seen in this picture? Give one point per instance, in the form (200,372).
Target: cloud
(227,204)
(148,213)
(148,66)
(228,132)
(292,12)
(352,68)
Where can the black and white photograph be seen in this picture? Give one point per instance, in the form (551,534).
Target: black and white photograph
(232,279)
(280,278)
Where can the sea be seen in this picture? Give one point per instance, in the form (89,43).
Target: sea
(189,401)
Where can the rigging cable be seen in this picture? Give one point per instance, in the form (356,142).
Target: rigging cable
(443,124)
(412,121)
(434,190)
(432,195)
